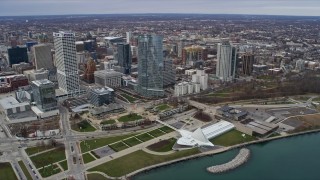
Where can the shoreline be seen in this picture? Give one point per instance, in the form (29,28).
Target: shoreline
(210,153)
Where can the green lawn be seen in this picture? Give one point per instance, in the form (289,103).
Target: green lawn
(163,107)
(111,121)
(6,172)
(166,129)
(137,160)
(49,171)
(118,146)
(89,145)
(129,98)
(25,170)
(49,157)
(64,165)
(231,138)
(37,149)
(130,117)
(163,146)
(96,176)
(132,141)
(87,158)
(144,137)
(83,126)
(156,133)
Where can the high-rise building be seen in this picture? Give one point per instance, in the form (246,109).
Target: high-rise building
(247,63)
(17,55)
(66,62)
(150,66)
(44,95)
(169,73)
(43,56)
(226,65)
(108,78)
(128,37)
(193,53)
(124,58)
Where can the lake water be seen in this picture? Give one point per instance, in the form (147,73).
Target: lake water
(294,158)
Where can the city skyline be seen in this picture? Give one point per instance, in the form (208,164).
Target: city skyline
(256,7)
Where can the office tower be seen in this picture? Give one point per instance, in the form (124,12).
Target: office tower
(194,53)
(124,58)
(247,63)
(17,55)
(90,68)
(43,56)
(150,66)
(181,45)
(44,95)
(226,65)
(66,62)
(169,73)
(129,37)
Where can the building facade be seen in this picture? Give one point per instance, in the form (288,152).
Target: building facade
(247,64)
(44,95)
(150,66)
(124,58)
(17,55)
(101,96)
(226,65)
(108,78)
(169,73)
(194,53)
(66,62)
(43,56)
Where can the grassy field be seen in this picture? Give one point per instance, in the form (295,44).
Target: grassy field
(130,117)
(96,143)
(87,158)
(132,141)
(37,149)
(118,146)
(49,171)
(111,121)
(64,165)
(83,126)
(25,170)
(166,129)
(163,107)
(128,97)
(156,133)
(96,176)
(49,157)
(6,172)
(144,137)
(231,138)
(137,160)
(163,146)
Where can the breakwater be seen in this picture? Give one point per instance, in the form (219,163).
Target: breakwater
(241,158)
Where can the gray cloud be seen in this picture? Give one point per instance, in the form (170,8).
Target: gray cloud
(49,7)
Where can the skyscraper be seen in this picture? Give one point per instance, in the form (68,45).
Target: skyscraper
(226,66)
(169,73)
(247,63)
(150,66)
(124,58)
(43,56)
(66,62)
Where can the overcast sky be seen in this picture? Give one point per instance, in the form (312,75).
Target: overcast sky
(59,7)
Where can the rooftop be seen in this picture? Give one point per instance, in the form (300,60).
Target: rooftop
(11,102)
(42,82)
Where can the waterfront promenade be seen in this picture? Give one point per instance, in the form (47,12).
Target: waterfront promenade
(241,158)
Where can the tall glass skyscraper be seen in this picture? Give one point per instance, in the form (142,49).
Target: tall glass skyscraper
(150,66)
(124,57)
(226,66)
(66,62)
